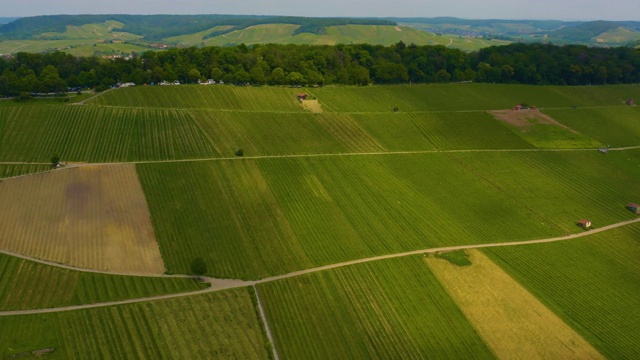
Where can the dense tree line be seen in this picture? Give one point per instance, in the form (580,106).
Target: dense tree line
(320,65)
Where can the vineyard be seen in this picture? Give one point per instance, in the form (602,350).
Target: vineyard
(30,285)
(508,318)
(467,97)
(94,217)
(593,284)
(614,127)
(94,134)
(389,309)
(221,325)
(253,218)
(7,171)
(240,182)
(236,98)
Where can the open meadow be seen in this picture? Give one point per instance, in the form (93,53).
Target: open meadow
(307,203)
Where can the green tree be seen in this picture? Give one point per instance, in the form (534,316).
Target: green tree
(194,75)
(198,266)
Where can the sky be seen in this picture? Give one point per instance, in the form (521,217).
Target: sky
(469,9)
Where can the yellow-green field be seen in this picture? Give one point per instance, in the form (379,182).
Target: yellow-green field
(508,318)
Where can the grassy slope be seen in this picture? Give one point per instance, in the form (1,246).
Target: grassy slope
(593,283)
(466,97)
(237,98)
(390,309)
(612,126)
(29,285)
(345,34)
(254,218)
(83,133)
(220,325)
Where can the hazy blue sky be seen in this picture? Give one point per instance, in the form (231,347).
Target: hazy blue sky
(475,9)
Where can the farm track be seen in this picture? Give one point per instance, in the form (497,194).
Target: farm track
(221,284)
(316,156)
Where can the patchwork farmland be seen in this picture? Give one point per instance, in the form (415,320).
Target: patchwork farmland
(318,238)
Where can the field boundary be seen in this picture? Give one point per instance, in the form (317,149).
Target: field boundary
(267,329)
(290,156)
(222,284)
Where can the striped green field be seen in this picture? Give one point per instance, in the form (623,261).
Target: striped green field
(218,97)
(258,217)
(467,97)
(12,170)
(30,285)
(393,309)
(593,283)
(614,126)
(220,325)
(439,131)
(97,134)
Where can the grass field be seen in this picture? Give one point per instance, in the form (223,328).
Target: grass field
(30,285)
(390,309)
(90,217)
(612,126)
(220,325)
(592,283)
(507,317)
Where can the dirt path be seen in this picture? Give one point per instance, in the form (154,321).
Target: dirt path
(93,97)
(267,329)
(221,284)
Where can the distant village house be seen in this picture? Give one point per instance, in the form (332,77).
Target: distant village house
(635,208)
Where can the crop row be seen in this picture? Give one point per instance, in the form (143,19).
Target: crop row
(19,169)
(93,134)
(592,283)
(465,97)
(204,97)
(388,309)
(30,285)
(614,127)
(258,217)
(221,325)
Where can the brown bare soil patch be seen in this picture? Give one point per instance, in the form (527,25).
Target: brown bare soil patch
(511,320)
(93,217)
(526,118)
(312,105)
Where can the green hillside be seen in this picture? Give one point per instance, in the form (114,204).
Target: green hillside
(337,211)
(346,34)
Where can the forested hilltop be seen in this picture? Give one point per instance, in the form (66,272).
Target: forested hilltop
(321,65)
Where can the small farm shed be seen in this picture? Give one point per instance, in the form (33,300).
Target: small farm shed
(630,102)
(603,150)
(635,208)
(302,96)
(584,223)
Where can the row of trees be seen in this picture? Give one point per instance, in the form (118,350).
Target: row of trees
(319,65)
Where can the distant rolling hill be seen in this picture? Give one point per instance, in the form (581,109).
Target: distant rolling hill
(599,32)
(88,34)
(344,34)
(114,34)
